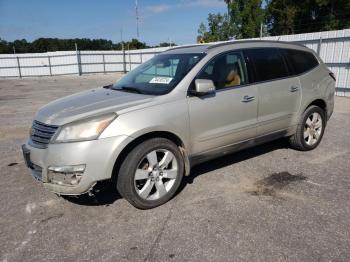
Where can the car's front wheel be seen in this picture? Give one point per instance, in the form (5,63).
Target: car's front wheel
(151,173)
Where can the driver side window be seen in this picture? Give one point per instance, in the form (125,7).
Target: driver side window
(226,70)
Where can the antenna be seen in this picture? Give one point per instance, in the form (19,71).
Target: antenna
(137,18)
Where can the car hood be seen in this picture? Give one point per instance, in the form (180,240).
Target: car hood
(88,103)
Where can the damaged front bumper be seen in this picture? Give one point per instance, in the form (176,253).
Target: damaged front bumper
(74,168)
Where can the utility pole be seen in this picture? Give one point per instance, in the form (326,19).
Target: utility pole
(137,19)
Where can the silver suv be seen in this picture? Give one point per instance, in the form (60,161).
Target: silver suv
(182,107)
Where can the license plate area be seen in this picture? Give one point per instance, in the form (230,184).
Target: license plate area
(26,156)
(36,170)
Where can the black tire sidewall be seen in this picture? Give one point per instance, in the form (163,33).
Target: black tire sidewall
(129,166)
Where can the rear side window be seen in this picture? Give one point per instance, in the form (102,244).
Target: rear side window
(268,64)
(300,61)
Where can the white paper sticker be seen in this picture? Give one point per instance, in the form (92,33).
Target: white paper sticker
(161,80)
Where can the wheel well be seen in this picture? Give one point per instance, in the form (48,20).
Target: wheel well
(320,103)
(163,134)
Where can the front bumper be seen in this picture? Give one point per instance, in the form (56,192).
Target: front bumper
(98,156)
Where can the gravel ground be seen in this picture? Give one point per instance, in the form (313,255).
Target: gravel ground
(268,203)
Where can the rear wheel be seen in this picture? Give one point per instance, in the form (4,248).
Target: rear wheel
(310,130)
(151,173)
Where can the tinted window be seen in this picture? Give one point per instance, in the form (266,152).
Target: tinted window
(226,70)
(300,61)
(268,64)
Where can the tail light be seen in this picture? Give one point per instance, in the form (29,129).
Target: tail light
(332,75)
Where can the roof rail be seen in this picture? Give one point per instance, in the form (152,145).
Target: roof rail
(250,41)
(186,46)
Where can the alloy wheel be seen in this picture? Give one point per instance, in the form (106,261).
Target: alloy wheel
(313,128)
(156,174)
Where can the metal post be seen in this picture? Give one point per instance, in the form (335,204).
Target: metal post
(78,59)
(261,31)
(124,62)
(129,58)
(19,68)
(49,65)
(104,63)
(319,46)
(140,57)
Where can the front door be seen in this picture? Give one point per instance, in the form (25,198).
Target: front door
(228,116)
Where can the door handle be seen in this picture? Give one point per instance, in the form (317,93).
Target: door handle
(294,88)
(247,99)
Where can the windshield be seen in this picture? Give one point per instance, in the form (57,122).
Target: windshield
(158,75)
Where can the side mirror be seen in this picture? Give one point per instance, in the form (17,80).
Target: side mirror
(204,86)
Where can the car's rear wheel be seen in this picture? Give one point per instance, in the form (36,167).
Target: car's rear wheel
(310,130)
(151,173)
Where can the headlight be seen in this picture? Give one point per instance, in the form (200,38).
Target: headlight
(87,129)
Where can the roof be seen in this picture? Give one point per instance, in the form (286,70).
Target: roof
(204,48)
(199,48)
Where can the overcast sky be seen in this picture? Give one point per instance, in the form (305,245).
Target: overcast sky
(159,20)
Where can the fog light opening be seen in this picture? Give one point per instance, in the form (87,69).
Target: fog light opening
(66,175)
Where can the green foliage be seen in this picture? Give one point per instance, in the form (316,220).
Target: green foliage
(278,17)
(242,21)
(55,44)
(5,47)
(219,29)
(166,44)
(134,44)
(246,17)
(288,16)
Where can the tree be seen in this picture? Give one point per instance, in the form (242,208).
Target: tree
(56,44)
(218,29)
(5,48)
(243,20)
(281,15)
(246,17)
(136,44)
(297,16)
(166,44)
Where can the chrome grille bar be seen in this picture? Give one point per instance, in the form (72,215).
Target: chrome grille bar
(41,133)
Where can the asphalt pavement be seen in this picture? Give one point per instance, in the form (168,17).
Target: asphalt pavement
(268,203)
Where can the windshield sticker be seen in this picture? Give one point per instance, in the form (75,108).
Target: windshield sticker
(161,80)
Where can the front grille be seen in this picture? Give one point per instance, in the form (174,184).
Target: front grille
(41,134)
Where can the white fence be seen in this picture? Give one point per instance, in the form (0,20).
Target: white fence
(332,46)
(334,49)
(72,62)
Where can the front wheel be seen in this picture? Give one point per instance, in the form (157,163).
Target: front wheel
(310,129)
(151,173)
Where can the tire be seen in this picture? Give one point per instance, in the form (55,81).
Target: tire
(150,168)
(313,134)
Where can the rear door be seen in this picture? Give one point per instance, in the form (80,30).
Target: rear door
(279,91)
